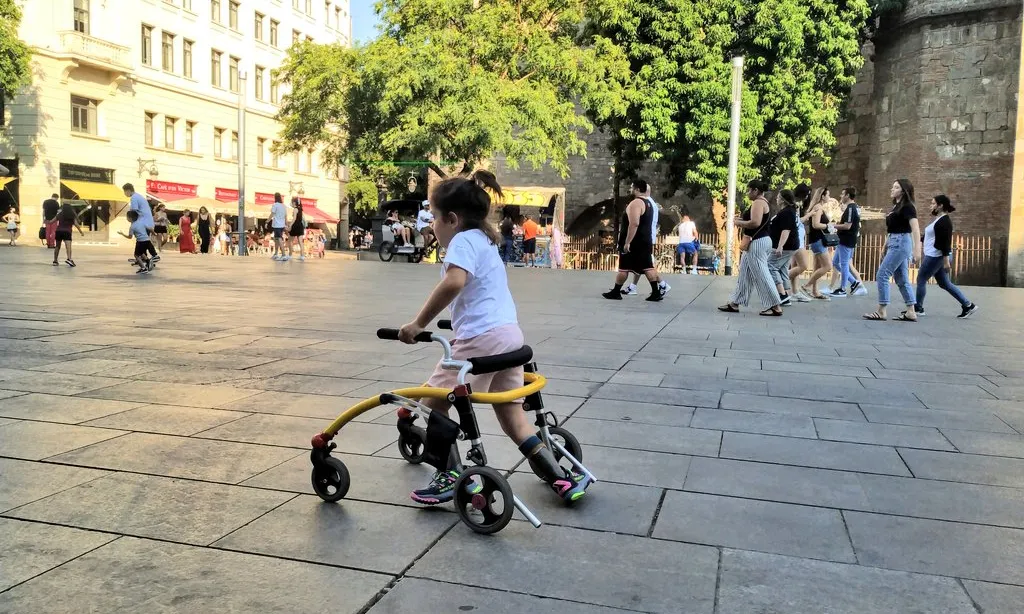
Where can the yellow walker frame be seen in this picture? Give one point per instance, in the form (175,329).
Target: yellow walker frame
(475,501)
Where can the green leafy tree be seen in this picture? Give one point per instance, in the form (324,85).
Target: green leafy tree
(801,57)
(14,54)
(363,194)
(454,82)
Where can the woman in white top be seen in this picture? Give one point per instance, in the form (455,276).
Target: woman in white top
(12,220)
(938,245)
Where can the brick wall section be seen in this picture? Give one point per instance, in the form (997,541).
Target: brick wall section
(938,104)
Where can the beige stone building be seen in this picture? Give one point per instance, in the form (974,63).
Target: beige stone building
(148,92)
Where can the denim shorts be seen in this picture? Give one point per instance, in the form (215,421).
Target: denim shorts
(818,247)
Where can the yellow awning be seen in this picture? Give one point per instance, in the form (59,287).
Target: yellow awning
(5,180)
(87,190)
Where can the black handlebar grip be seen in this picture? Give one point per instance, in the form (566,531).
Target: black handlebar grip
(391,334)
(444,324)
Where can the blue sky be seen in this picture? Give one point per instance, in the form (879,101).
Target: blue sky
(364,20)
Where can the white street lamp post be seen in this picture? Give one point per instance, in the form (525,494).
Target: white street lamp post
(734,155)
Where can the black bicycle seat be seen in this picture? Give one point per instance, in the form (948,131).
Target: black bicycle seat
(500,362)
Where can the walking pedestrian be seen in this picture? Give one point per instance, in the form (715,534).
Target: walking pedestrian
(138,203)
(507,236)
(785,242)
(66,220)
(278,222)
(816,241)
(297,231)
(636,248)
(160,223)
(902,243)
(12,219)
(186,243)
(848,230)
(530,229)
(938,245)
(801,261)
(689,247)
(51,206)
(662,284)
(139,231)
(203,229)
(756,247)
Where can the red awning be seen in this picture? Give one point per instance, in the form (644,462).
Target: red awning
(225,195)
(315,215)
(169,191)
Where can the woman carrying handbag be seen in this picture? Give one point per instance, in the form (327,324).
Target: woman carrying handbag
(757,247)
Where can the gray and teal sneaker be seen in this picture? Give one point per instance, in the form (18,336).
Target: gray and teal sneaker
(572,487)
(442,489)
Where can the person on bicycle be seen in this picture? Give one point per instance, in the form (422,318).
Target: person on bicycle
(423,220)
(485,323)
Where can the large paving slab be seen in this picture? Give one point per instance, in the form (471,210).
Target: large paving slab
(28,549)
(416,595)
(134,575)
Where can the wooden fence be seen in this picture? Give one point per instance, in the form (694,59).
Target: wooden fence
(976,260)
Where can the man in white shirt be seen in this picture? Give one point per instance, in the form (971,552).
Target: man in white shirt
(423,220)
(688,244)
(278,221)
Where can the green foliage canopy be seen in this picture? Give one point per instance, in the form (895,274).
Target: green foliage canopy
(14,54)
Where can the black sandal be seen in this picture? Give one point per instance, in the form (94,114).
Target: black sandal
(728,308)
(771,311)
(903,318)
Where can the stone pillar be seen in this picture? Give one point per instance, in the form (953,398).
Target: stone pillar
(1015,248)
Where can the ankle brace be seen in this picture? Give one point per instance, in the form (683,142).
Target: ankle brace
(534,450)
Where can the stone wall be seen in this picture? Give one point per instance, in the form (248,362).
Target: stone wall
(937,103)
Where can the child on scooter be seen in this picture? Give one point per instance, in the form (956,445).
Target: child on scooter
(475,287)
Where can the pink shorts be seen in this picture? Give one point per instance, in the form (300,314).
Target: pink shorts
(495,341)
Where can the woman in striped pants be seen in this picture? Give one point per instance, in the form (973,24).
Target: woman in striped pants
(754,271)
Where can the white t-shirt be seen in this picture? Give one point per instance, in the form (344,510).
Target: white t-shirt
(929,239)
(138,230)
(423,219)
(278,215)
(485,302)
(687,232)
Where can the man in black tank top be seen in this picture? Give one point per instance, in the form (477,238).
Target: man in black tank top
(636,246)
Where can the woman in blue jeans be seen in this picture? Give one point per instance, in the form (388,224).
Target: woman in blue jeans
(903,242)
(938,245)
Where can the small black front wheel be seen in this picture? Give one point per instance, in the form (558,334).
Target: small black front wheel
(567,440)
(486,506)
(330,479)
(386,251)
(411,444)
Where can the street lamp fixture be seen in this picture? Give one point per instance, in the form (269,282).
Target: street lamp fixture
(149,166)
(296,187)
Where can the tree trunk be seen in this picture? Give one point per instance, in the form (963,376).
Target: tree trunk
(617,186)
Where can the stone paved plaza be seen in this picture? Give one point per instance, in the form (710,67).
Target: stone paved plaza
(154,436)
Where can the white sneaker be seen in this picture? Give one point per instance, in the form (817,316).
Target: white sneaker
(629,290)
(801,297)
(285,258)
(860,291)
(664,287)
(694,272)
(275,257)
(302,258)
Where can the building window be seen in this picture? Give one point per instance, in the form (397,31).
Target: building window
(233,74)
(218,140)
(295,4)
(190,130)
(82,16)
(327,14)
(273,33)
(275,157)
(147,129)
(233,15)
(337,18)
(186,4)
(167,50)
(258,82)
(234,146)
(309,7)
(258,27)
(274,94)
(170,125)
(186,58)
(261,144)
(215,57)
(83,115)
(147,45)
(297,162)
(215,11)
(309,161)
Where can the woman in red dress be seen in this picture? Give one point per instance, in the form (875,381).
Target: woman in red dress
(186,244)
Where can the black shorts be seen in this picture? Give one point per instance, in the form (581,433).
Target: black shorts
(529,246)
(278,233)
(636,261)
(63,235)
(141,247)
(160,230)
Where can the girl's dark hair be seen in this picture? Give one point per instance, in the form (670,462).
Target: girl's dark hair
(186,213)
(133,215)
(908,193)
(67,213)
(802,193)
(943,201)
(467,198)
(757,184)
(788,198)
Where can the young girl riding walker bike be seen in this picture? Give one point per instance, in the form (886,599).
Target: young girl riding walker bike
(475,287)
